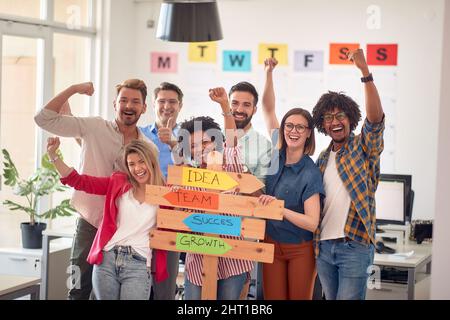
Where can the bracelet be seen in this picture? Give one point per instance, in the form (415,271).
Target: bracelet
(367,79)
(53,160)
(227,114)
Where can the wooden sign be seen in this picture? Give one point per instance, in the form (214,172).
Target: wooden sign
(228,248)
(215,180)
(207,223)
(214,202)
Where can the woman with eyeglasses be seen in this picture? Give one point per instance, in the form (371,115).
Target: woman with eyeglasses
(298,182)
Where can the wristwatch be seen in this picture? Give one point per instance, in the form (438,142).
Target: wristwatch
(367,79)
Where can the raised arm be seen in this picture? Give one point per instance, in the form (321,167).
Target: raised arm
(220,96)
(53,119)
(69,176)
(66,110)
(58,102)
(268,100)
(52,146)
(374,110)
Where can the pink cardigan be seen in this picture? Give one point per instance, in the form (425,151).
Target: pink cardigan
(112,187)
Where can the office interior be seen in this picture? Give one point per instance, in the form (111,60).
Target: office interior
(47,45)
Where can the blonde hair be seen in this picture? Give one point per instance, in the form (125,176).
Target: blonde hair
(149,154)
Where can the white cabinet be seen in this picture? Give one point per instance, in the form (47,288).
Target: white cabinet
(27,262)
(20,262)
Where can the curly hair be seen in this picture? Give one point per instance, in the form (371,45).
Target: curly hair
(339,100)
(206,124)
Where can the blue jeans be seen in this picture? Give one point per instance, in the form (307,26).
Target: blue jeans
(227,289)
(123,275)
(342,266)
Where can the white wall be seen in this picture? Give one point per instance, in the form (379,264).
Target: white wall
(415,25)
(440,281)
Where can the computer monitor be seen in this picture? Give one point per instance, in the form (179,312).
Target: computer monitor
(393,199)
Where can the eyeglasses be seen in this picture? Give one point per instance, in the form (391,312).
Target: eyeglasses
(171,102)
(330,116)
(298,127)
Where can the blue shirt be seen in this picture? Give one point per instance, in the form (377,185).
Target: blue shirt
(165,155)
(293,183)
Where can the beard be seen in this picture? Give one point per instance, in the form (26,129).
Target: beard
(241,124)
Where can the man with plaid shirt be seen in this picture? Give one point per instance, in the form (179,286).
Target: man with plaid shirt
(351,168)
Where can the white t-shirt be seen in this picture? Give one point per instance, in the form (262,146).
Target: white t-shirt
(134,221)
(337,202)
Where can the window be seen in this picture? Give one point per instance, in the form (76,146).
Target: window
(24,8)
(35,64)
(74,13)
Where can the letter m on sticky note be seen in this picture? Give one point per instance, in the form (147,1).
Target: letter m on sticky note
(237,61)
(164,62)
(338,52)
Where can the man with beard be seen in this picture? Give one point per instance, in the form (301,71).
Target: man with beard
(351,170)
(256,149)
(101,151)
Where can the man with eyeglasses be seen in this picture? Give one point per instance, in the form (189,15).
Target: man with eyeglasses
(102,142)
(351,169)
(167,101)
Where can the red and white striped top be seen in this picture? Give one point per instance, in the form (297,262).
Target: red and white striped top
(227,267)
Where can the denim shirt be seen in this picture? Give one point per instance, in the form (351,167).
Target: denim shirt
(165,154)
(294,183)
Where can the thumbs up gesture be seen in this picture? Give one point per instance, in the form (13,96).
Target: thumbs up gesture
(165,134)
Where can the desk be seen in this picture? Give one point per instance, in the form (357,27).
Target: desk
(12,287)
(47,236)
(420,259)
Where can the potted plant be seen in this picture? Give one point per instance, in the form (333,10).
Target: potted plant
(44,181)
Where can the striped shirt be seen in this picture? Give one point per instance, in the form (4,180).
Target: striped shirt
(358,164)
(227,267)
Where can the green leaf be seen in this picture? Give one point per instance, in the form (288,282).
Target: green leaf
(45,161)
(64,209)
(13,206)
(10,172)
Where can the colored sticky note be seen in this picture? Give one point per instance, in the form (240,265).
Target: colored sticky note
(201,244)
(277,51)
(382,54)
(308,61)
(214,223)
(164,62)
(202,52)
(237,61)
(209,179)
(338,52)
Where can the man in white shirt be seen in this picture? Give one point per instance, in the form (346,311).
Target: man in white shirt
(101,149)
(256,149)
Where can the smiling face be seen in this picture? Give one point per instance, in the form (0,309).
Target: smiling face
(296,131)
(138,169)
(243,108)
(337,126)
(201,146)
(167,105)
(129,106)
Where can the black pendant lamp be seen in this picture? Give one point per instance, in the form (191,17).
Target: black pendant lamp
(189,21)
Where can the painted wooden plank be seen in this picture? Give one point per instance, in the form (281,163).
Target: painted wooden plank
(215,180)
(240,249)
(214,202)
(176,220)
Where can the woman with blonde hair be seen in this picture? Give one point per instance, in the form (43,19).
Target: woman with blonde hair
(120,251)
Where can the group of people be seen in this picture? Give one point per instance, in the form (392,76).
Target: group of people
(328,225)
